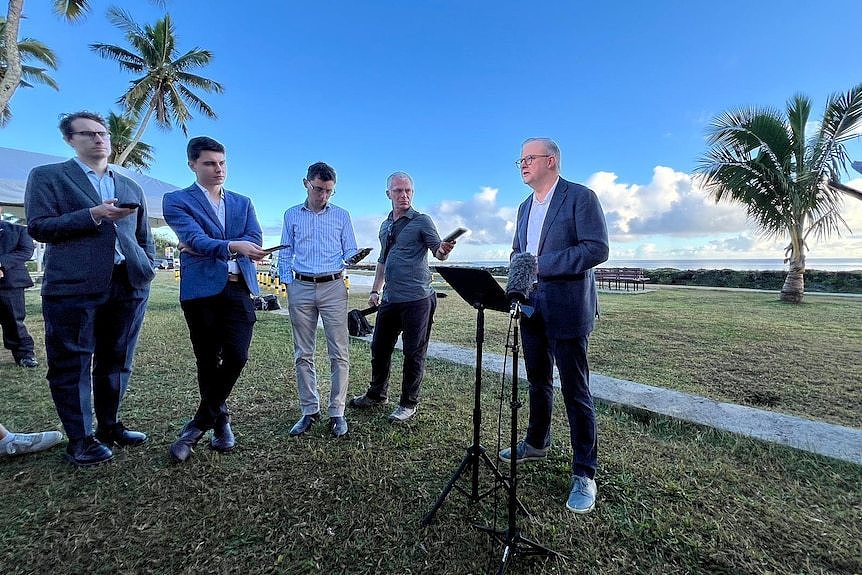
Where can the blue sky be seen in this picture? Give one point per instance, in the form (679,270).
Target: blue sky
(447,91)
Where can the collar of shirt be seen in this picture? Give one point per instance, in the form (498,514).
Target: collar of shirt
(308,209)
(206,191)
(550,193)
(409,214)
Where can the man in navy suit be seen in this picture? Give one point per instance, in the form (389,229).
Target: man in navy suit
(16,248)
(98,268)
(220,240)
(562,224)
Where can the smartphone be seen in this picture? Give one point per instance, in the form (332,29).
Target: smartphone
(128,205)
(455,235)
(275,248)
(358,256)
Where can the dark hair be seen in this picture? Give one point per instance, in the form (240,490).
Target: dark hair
(202,144)
(321,170)
(67,119)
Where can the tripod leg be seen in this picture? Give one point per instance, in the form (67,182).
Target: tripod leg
(465,463)
(505,481)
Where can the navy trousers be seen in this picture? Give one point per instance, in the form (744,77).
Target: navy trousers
(90,343)
(541,352)
(12,313)
(413,321)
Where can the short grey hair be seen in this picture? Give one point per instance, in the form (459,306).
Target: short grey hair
(551,146)
(397,176)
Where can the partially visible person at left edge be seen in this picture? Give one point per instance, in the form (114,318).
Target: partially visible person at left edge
(16,248)
(98,268)
(220,240)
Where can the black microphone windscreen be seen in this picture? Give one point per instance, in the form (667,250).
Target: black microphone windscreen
(522,276)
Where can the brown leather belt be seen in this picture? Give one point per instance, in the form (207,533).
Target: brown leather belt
(318,279)
(234,277)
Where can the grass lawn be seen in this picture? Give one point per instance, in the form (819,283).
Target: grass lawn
(740,347)
(673,498)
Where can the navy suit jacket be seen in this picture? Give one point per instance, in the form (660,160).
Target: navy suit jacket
(16,248)
(574,239)
(79,255)
(203,269)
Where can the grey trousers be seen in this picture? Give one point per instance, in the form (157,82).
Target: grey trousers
(307,302)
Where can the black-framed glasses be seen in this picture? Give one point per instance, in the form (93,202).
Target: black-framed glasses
(527,160)
(321,191)
(92,135)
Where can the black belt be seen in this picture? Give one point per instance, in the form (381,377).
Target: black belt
(569,277)
(318,279)
(233,277)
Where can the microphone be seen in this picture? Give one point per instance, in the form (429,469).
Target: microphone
(522,276)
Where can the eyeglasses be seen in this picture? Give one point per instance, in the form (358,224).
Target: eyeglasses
(321,191)
(92,135)
(527,160)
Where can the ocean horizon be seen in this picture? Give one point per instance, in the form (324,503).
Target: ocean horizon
(822,264)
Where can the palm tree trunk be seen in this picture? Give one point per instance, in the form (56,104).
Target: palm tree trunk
(12,77)
(138,135)
(794,284)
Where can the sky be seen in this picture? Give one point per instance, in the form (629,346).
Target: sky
(448,90)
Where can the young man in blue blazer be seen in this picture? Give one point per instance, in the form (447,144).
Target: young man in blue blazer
(562,224)
(220,240)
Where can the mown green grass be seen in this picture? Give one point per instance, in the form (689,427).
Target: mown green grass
(673,498)
(741,347)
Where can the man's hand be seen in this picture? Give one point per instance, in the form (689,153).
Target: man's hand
(249,249)
(108,211)
(2,275)
(184,249)
(443,251)
(374,299)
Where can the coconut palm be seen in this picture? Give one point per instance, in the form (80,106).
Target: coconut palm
(788,182)
(121,128)
(165,89)
(29,50)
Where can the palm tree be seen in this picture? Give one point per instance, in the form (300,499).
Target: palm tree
(71,10)
(28,50)
(789,183)
(165,89)
(121,127)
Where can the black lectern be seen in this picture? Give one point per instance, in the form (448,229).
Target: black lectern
(478,288)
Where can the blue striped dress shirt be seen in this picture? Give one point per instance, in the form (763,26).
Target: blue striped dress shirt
(317,243)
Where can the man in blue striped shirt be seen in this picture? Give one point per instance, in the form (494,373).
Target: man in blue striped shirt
(318,238)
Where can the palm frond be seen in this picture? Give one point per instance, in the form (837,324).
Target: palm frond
(72,9)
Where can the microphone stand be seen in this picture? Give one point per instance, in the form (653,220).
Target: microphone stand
(514,544)
(476,453)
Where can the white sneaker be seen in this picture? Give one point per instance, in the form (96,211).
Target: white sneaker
(402,414)
(20,443)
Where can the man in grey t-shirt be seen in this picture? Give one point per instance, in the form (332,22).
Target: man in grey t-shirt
(408,302)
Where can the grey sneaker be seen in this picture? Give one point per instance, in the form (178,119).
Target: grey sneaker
(364,402)
(525,452)
(20,443)
(402,414)
(582,498)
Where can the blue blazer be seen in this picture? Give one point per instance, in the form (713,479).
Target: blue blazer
(79,255)
(16,248)
(574,239)
(189,213)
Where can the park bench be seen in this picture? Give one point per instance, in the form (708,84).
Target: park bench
(619,278)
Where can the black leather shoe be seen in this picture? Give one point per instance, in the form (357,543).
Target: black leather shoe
(182,448)
(87,451)
(119,436)
(304,424)
(223,439)
(29,362)
(338,426)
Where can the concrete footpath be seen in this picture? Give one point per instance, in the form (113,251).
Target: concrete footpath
(836,441)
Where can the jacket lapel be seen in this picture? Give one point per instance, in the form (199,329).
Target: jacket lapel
(80,179)
(556,203)
(200,197)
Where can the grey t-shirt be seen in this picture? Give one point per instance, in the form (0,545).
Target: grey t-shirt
(406,271)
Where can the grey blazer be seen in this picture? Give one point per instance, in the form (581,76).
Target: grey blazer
(574,240)
(79,255)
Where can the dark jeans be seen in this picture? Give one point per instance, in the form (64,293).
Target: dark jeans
(413,321)
(220,328)
(540,353)
(99,330)
(15,336)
